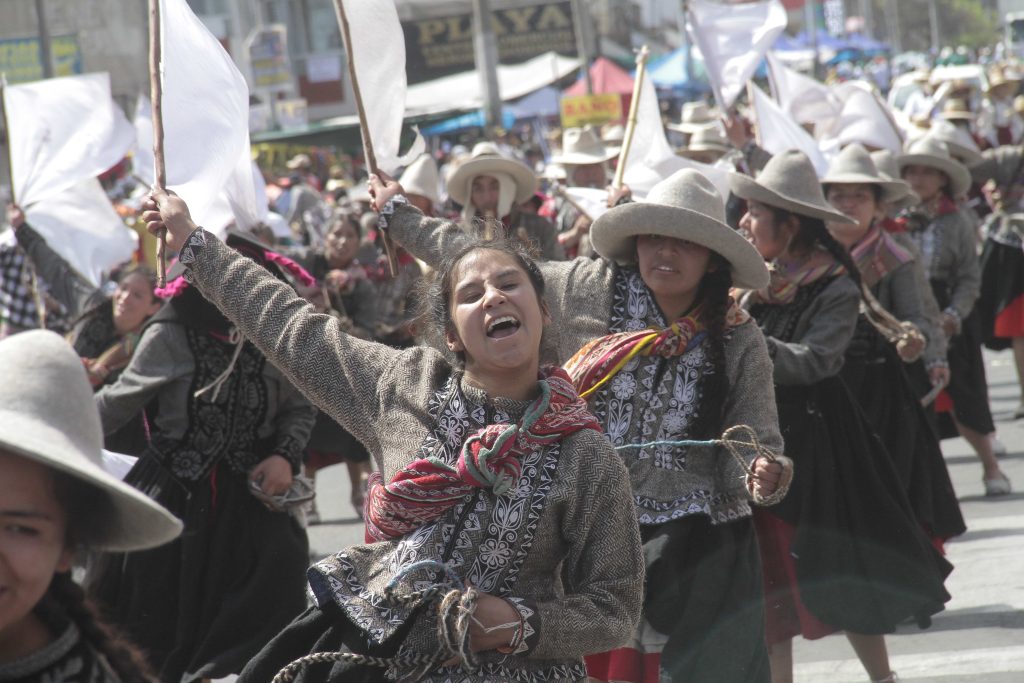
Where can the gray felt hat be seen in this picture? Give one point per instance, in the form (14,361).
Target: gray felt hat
(853,166)
(788,182)
(685,206)
(48,415)
(933,153)
(486,159)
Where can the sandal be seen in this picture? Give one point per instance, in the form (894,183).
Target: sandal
(997,486)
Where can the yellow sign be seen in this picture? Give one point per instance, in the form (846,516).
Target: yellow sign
(20,58)
(593,109)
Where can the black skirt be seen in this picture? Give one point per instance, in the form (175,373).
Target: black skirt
(1002,286)
(877,378)
(703,590)
(863,563)
(968,388)
(205,604)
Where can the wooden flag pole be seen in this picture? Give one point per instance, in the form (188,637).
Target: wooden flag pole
(627,138)
(156,96)
(7,133)
(364,129)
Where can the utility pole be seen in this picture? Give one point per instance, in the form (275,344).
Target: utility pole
(485,49)
(581,23)
(45,54)
(892,23)
(933,22)
(867,12)
(682,21)
(811,27)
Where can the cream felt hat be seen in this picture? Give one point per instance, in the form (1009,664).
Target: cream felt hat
(962,146)
(485,159)
(582,146)
(694,116)
(853,166)
(788,182)
(420,177)
(48,415)
(934,153)
(685,206)
(708,139)
(957,109)
(885,162)
(613,133)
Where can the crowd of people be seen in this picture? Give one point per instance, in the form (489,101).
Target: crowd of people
(655,441)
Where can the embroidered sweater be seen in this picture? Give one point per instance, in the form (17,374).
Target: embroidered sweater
(653,398)
(948,247)
(563,545)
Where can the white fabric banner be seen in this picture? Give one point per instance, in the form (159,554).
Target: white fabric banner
(63,131)
(205,114)
(864,118)
(81,225)
(802,97)
(592,200)
(378,52)
(651,159)
(778,132)
(733,39)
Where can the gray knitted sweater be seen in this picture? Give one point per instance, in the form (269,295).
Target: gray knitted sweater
(948,247)
(652,398)
(563,545)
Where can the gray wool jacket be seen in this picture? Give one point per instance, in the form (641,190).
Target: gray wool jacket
(949,254)
(668,482)
(563,545)
(906,293)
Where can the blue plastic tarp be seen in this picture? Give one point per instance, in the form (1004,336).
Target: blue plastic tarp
(669,72)
(473,119)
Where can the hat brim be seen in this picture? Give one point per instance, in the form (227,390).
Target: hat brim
(891,189)
(578,159)
(959,176)
(745,187)
(614,234)
(522,176)
(690,128)
(138,522)
(702,149)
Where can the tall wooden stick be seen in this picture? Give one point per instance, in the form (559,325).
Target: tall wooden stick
(7,132)
(364,129)
(627,138)
(156,90)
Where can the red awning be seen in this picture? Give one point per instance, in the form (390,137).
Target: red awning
(607,77)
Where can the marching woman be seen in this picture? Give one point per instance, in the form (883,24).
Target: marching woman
(1001,304)
(842,551)
(874,364)
(227,430)
(504,543)
(948,247)
(57,504)
(667,362)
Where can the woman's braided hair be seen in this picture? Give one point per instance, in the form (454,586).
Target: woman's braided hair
(87,510)
(713,294)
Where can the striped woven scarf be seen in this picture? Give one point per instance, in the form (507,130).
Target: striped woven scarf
(601,359)
(491,458)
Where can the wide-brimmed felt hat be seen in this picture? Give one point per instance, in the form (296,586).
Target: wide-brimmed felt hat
(709,139)
(853,166)
(485,160)
(788,182)
(694,116)
(48,415)
(613,133)
(685,206)
(957,109)
(421,177)
(961,145)
(933,153)
(885,162)
(1003,164)
(1002,75)
(582,146)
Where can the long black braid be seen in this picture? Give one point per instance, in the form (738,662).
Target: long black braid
(713,293)
(88,511)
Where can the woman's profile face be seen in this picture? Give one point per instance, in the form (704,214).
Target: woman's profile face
(856,200)
(926,181)
(134,302)
(341,244)
(761,230)
(32,542)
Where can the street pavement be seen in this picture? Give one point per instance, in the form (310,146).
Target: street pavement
(980,635)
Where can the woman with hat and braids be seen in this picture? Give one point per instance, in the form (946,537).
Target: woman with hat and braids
(948,246)
(891,333)
(227,431)
(56,503)
(668,363)
(842,551)
(503,545)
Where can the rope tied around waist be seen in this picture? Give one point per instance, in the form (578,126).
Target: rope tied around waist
(456,604)
(733,442)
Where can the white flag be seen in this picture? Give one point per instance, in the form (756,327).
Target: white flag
(651,159)
(81,225)
(205,114)
(378,51)
(592,200)
(777,132)
(63,131)
(802,97)
(864,118)
(733,40)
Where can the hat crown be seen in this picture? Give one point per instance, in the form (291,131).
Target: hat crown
(931,146)
(688,189)
(582,141)
(696,112)
(853,160)
(45,383)
(791,174)
(421,177)
(712,135)
(885,162)
(485,148)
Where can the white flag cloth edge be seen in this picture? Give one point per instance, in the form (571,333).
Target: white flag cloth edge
(779,132)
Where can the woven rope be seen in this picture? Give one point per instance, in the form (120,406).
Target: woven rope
(454,616)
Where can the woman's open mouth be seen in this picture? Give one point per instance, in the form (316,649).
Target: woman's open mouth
(502,327)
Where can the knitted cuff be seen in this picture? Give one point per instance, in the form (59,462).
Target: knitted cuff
(189,252)
(936,363)
(389,209)
(955,315)
(531,624)
(289,448)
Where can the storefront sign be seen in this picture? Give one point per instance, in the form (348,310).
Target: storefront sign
(20,58)
(593,109)
(268,54)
